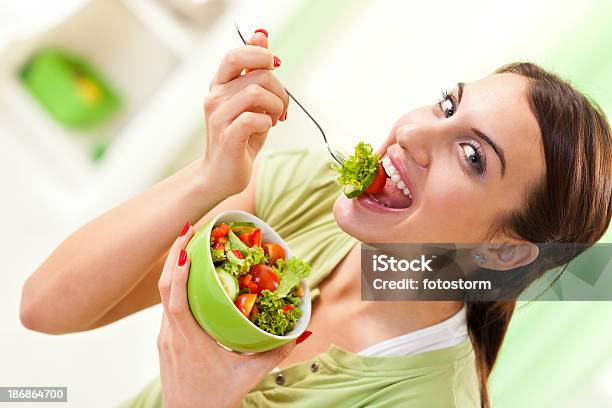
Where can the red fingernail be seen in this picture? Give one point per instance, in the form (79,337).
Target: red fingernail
(182,258)
(185,228)
(302,337)
(277,62)
(261,30)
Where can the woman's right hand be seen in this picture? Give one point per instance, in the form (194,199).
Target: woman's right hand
(194,370)
(240,110)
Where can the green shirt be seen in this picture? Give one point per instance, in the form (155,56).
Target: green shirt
(295,193)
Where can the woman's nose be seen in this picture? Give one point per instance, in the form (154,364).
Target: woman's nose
(417,141)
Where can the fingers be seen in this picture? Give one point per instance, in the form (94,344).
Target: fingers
(252,98)
(250,128)
(178,308)
(245,57)
(275,356)
(260,38)
(270,359)
(165,280)
(264,78)
(284,352)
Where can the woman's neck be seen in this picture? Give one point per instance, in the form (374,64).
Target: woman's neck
(343,288)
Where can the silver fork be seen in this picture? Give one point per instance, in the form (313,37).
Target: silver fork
(335,154)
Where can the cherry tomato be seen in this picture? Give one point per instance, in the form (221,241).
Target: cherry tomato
(245,303)
(218,245)
(251,238)
(244,280)
(254,312)
(253,288)
(274,252)
(238,254)
(264,277)
(256,238)
(246,238)
(379,181)
(221,231)
(288,308)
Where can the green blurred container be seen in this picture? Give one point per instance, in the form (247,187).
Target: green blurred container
(69,89)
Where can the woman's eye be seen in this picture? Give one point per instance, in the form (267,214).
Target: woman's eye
(447,107)
(473,157)
(447,104)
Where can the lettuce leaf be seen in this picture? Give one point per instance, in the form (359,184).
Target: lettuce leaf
(291,272)
(255,256)
(270,315)
(236,243)
(357,168)
(237,266)
(217,254)
(233,264)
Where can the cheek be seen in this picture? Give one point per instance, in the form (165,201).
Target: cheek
(444,205)
(455,211)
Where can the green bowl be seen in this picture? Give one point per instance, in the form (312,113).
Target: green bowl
(212,307)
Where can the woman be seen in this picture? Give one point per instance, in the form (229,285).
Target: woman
(515,159)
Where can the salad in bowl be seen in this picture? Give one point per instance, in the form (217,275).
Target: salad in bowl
(245,287)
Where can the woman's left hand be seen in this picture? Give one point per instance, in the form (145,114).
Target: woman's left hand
(194,370)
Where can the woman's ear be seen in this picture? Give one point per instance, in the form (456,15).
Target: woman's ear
(506,256)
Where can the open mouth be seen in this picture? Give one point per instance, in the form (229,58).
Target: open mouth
(395,194)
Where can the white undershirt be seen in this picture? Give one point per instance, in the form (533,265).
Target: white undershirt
(448,333)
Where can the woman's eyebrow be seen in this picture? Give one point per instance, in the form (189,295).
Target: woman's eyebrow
(498,150)
(460,85)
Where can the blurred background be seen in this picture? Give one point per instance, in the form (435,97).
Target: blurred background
(100,98)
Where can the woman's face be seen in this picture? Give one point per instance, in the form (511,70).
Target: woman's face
(466,161)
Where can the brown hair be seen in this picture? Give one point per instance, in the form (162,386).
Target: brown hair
(571,204)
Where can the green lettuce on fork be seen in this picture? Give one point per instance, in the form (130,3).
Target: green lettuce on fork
(361,172)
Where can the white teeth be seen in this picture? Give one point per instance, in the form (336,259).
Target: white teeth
(394,175)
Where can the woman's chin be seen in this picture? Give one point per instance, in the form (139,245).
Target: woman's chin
(346,218)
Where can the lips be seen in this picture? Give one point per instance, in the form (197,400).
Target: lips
(395,176)
(396,193)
